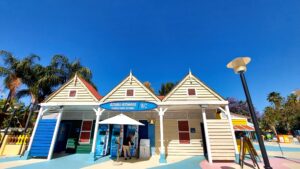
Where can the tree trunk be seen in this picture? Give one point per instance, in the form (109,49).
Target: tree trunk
(32,107)
(4,109)
(274,130)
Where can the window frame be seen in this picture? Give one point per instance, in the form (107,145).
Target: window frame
(133,94)
(71,91)
(191,89)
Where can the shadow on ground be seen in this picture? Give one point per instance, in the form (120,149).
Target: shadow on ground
(190,163)
(67,162)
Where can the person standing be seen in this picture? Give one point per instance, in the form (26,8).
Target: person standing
(126,147)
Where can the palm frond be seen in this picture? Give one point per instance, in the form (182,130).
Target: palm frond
(22,93)
(4,71)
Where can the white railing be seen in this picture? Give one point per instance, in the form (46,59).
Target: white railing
(209,156)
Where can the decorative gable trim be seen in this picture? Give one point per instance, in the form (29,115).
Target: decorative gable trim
(188,77)
(88,87)
(129,78)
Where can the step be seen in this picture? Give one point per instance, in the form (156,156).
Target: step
(218,127)
(185,151)
(222,147)
(185,148)
(222,150)
(221,143)
(216,121)
(220,136)
(191,141)
(185,154)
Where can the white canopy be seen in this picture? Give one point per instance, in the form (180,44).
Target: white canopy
(122,120)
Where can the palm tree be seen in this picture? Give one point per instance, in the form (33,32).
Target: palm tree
(276,99)
(148,86)
(30,77)
(271,118)
(166,88)
(12,80)
(65,70)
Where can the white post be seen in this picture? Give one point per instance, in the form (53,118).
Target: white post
(208,148)
(40,115)
(161,113)
(55,134)
(232,130)
(98,115)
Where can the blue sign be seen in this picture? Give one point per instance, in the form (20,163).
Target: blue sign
(128,106)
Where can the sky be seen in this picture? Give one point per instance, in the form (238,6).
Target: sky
(161,40)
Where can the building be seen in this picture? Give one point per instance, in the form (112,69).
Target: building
(185,122)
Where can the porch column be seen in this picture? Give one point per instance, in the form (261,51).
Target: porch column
(40,115)
(161,113)
(208,148)
(227,111)
(55,133)
(98,115)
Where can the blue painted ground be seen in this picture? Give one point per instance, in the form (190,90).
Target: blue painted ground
(67,162)
(7,159)
(277,148)
(190,163)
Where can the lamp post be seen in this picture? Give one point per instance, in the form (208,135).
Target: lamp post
(239,67)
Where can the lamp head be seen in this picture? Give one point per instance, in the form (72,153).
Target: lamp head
(239,64)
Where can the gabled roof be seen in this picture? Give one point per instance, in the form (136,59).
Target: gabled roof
(124,84)
(161,97)
(93,91)
(87,86)
(190,76)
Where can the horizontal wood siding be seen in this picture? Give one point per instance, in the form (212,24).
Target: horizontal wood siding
(202,93)
(171,132)
(139,92)
(82,94)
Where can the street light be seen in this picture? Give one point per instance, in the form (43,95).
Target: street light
(239,67)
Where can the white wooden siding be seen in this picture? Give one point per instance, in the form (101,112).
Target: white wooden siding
(203,93)
(140,93)
(82,94)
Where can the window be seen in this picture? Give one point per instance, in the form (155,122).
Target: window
(191,92)
(129,92)
(72,93)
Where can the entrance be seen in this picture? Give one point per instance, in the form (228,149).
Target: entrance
(183,131)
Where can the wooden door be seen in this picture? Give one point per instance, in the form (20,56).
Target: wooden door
(183,131)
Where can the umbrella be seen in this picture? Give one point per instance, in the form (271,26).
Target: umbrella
(122,120)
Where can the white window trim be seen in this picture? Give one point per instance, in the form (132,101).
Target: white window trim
(75,93)
(186,132)
(86,131)
(187,92)
(132,95)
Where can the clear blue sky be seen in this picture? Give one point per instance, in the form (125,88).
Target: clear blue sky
(161,40)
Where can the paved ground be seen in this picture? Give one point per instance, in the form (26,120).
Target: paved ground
(291,152)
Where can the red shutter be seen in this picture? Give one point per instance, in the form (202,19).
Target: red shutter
(129,92)
(183,131)
(85,133)
(192,92)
